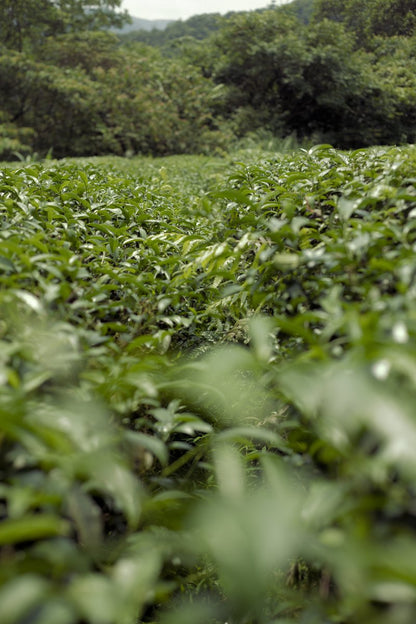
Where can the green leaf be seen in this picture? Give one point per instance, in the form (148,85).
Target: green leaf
(141,441)
(286,261)
(346,207)
(21,595)
(96,598)
(32,527)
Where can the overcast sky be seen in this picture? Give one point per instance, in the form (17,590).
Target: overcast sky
(182,9)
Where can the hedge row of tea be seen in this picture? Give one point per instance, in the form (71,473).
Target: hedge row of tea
(207,385)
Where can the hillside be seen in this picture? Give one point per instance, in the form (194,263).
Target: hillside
(202,25)
(142,24)
(198,26)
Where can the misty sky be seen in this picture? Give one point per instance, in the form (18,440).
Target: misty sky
(182,9)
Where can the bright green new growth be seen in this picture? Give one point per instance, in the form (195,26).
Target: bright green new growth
(207,379)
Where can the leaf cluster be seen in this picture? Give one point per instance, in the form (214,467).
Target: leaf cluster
(313,80)
(83,102)
(207,379)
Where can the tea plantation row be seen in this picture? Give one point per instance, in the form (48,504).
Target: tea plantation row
(207,389)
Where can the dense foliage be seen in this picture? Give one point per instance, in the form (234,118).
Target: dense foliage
(27,24)
(68,88)
(207,363)
(322,71)
(207,383)
(80,98)
(312,80)
(376,17)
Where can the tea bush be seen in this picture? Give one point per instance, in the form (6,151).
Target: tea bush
(207,379)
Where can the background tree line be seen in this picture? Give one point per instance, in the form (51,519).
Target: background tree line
(343,73)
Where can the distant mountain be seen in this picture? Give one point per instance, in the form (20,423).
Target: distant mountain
(143,24)
(160,33)
(197,26)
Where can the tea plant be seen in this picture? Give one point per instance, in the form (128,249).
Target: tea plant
(207,378)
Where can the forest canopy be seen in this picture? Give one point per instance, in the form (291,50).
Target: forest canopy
(343,73)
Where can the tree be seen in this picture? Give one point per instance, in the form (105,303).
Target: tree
(59,106)
(27,23)
(310,80)
(116,100)
(386,18)
(303,9)
(394,17)
(86,50)
(27,20)
(79,15)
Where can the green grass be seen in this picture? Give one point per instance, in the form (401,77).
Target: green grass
(207,380)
